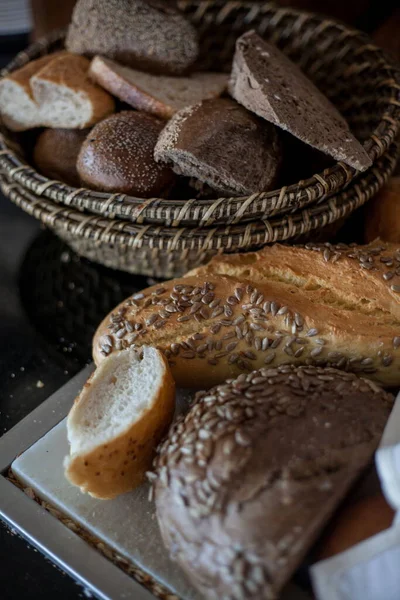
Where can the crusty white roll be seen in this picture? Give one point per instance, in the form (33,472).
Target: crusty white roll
(117,421)
(321,305)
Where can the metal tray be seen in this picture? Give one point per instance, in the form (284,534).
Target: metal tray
(34,449)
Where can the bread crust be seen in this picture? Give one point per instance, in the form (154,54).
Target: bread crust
(320,304)
(120,465)
(71,71)
(111,77)
(247,479)
(149,35)
(56,152)
(382,214)
(266,82)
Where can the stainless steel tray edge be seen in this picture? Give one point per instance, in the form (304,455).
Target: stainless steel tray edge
(39,527)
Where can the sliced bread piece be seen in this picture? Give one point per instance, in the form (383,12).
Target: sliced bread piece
(145,34)
(18,108)
(160,95)
(222,144)
(67,97)
(117,421)
(266,82)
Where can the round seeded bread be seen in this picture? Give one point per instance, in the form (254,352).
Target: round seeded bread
(117,156)
(223,145)
(148,35)
(247,479)
(56,152)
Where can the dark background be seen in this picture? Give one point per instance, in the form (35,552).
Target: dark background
(50,300)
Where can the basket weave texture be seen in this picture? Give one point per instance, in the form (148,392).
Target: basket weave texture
(164,237)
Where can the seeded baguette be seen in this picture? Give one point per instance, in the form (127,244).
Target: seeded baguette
(247,479)
(321,305)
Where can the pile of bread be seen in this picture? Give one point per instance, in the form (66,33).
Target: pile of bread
(299,343)
(125,110)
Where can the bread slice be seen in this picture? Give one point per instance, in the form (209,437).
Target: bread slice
(18,108)
(266,82)
(160,95)
(223,145)
(116,422)
(67,97)
(151,35)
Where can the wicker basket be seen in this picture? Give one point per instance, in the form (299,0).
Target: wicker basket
(166,237)
(344,63)
(169,252)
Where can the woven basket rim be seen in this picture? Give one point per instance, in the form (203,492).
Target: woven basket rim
(210,212)
(230,238)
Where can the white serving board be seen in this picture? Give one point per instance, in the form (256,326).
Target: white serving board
(127,524)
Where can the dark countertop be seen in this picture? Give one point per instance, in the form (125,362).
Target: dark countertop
(50,304)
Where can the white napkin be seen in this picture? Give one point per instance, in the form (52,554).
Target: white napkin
(370,570)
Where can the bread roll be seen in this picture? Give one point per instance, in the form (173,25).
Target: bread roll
(117,156)
(18,108)
(321,305)
(67,97)
(382,214)
(265,81)
(158,95)
(53,91)
(223,145)
(56,152)
(247,479)
(355,523)
(117,421)
(150,35)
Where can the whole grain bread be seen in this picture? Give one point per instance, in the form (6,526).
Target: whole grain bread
(148,35)
(159,95)
(223,145)
(246,481)
(117,156)
(266,82)
(323,305)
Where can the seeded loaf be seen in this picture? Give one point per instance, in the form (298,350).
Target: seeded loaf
(151,35)
(222,145)
(117,421)
(159,95)
(247,479)
(117,156)
(321,305)
(56,152)
(18,107)
(265,81)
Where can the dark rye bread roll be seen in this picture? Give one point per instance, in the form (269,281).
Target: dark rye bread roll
(266,82)
(247,479)
(322,304)
(56,152)
(117,156)
(150,35)
(223,145)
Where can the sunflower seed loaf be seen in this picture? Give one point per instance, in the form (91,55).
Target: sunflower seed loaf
(295,438)
(319,304)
